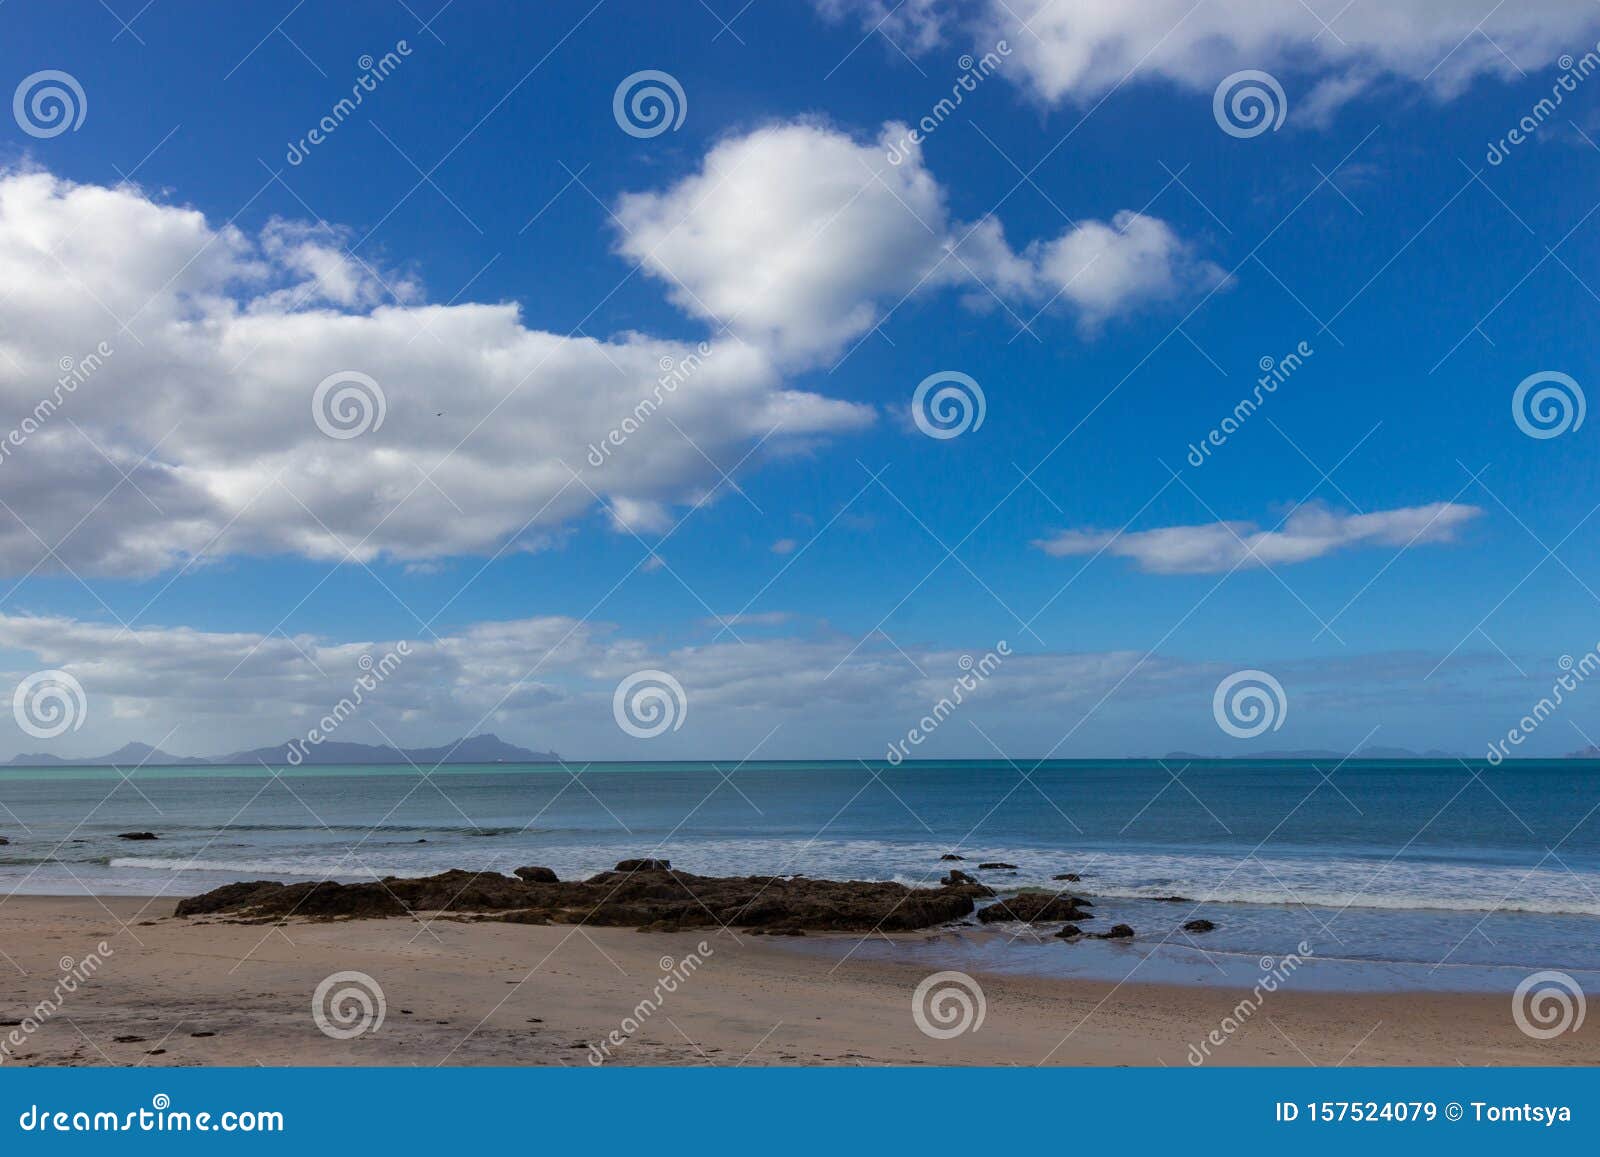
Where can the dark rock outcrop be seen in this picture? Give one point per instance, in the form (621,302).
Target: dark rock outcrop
(1069,877)
(997,865)
(644,865)
(951,856)
(524,916)
(1115,932)
(536,875)
(1069,932)
(654,898)
(1198,926)
(959,879)
(1034,908)
(137,836)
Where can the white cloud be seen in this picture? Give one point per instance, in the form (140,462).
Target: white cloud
(914,25)
(800,239)
(791,235)
(205,401)
(749,619)
(1309,532)
(1078,50)
(544,682)
(1099,268)
(1082,47)
(547,682)
(195,437)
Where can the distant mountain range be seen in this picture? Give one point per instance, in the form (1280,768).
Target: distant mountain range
(475,749)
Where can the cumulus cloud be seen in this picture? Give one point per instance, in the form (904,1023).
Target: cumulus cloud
(798,238)
(194,436)
(791,235)
(1078,50)
(1101,269)
(1309,532)
(193,432)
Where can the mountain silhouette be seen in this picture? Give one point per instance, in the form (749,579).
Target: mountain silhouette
(473,749)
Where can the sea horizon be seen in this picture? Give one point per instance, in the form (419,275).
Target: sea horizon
(564,764)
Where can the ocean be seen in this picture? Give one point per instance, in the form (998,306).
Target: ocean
(1462,873)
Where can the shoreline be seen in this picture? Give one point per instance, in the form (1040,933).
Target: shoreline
(465,993)
(1009,950)
(1236,942)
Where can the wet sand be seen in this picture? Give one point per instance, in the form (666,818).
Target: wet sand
(462,993)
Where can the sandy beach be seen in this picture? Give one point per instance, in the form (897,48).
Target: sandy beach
(183,992)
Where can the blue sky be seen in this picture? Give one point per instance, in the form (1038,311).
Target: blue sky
(208,565)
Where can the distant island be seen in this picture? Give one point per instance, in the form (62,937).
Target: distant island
(1316,753)
(473,749)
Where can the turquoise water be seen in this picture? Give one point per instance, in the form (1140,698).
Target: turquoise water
(1434,862)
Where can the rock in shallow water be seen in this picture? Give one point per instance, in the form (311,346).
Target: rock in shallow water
(1035,908)
(959,879)
(1115,932)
